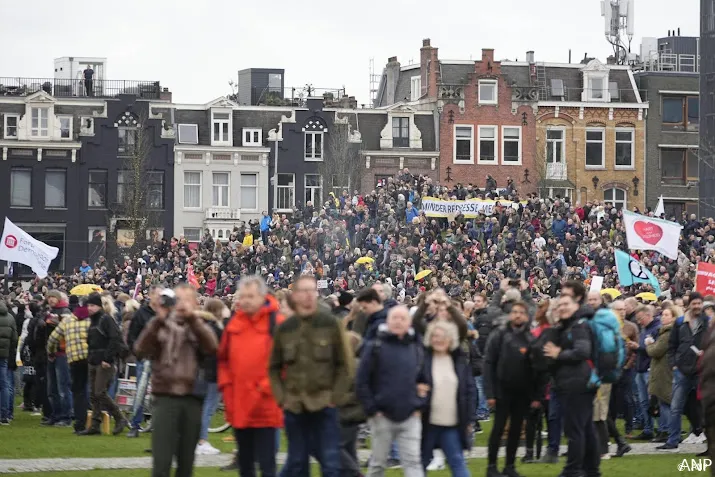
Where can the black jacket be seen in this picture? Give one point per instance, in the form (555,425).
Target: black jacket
(103,339)
(508,367)
(571,371)
(484,324)
(373,324)
(682,338)
(140,319)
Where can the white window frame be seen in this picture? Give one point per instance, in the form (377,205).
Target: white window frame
(6,127)
(560,142)
(471,144)
(504,140)
(228,139)
(605,92)
(192,140)
(280,187)
(39,131)
(193,229)
(220,186)
(632,142)
(313,157)
(495,161)
(199,185)
(493,83)
(254,187)
(603,148)
(319,188)
(614,201)
(60,117)
(255,137)
(415,88)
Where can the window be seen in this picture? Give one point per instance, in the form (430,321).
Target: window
(381,180)
(313,189)
(415,88)
(678,166)
(97,193)
(220,189)
(275,81)
(21,187)
(624,148)
(286,191)
(127,141)
(249,191)
(155,192)
(511,145)
(125,187)
(11,126)
(313,146)
(56,188)
(65,127)
(681,112)
(40,119)
(488,144)
(400,132)
(617,197)
(221,128)
(676,209)
(340,183)
(192,189)
(192,234)
(555,146)
(463,148)
(594,148)
(252,137)
(488,92)
(188,134)
(596,88)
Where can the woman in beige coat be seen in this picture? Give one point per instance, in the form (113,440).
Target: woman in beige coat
(660,382)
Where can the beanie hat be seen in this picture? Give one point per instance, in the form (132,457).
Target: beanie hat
(54,294)
(94,299)
(345,298)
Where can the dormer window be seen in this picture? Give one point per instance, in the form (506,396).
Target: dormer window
(40,119)
(313,136)
(488,92)
(221,128)
(595,88)
(252,137)
(595,82)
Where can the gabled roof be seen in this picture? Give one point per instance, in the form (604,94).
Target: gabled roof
(221,102)
(40,97)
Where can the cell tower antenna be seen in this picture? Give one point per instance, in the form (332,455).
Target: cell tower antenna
(619,23)
(374,82)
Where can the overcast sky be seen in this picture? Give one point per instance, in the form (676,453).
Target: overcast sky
(196,47)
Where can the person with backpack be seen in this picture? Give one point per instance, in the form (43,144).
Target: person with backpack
(104,344)
(511,385)
(243,357)
(573,352)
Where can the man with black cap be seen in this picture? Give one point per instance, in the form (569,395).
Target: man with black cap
(103,341)
(344,301)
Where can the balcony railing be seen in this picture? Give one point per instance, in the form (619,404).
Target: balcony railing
(286,198)
(223,213)
(297,97)
(77,88)
(534,93)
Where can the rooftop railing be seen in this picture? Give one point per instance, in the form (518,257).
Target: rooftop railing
(79,88)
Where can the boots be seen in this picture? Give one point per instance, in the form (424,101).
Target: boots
(623,447)
(93,430)
(120,425)
(493,472)
(529,457)
(510,471)
(549,458)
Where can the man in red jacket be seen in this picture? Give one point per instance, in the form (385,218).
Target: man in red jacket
(243,358)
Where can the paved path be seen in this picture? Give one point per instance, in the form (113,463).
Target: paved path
(17,466)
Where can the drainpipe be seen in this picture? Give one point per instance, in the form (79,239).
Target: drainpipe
(275,177)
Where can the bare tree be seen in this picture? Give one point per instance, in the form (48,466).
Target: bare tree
(340,168)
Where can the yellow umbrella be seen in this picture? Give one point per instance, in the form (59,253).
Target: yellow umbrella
(422,274)
(85,289)
(647,296)
(367,260)
(612,292)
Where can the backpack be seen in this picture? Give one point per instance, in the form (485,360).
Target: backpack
(609,350)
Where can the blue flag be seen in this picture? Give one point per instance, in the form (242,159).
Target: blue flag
(631,271)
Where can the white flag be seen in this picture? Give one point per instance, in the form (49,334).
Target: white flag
(660,208)
(18,246)
(646,233)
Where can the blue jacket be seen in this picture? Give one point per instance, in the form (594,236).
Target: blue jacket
(411,214)
(466,394)
(558,227)
(642,358)
(373,324)
(266,224)
(390,369)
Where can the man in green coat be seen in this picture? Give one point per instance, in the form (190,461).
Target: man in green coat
(8,346)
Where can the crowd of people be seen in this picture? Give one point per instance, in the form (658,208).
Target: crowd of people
(367,311)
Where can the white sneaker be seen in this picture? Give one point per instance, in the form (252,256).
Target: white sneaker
(700,439)
(606,457)
(437,462)
(691,439)
(206,449)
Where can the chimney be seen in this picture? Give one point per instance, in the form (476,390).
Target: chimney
(392,74)
(488,55)
(678,31)
(429,69)
(530,57)
(165,95)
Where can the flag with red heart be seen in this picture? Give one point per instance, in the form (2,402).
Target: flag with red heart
(648,233)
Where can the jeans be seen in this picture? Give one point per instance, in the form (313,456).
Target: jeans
(113,386)
(10,394)
(644,401)
(255,444)
(482,408)
(554,423)
(142,383)
(59,388)
(408,435)
(312,432)
(664,419)
(584,451)
(447,438)
(5,396)
(682,387)
(208,410)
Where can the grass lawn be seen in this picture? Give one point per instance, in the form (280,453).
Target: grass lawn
(650,466)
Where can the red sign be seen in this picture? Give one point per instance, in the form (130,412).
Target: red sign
(10,241)
(705,279)
(649,232)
